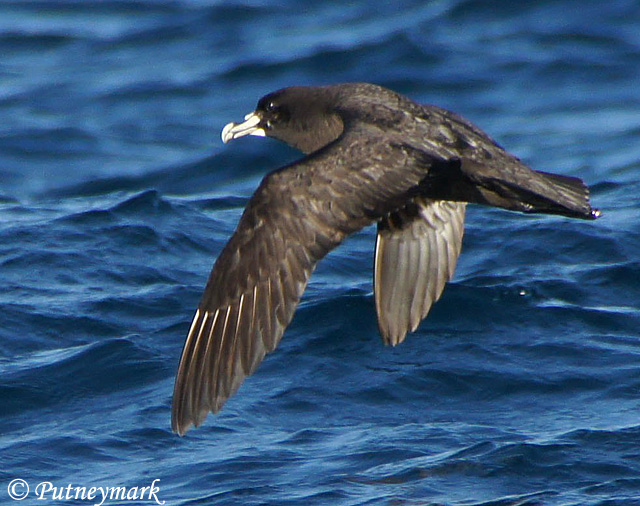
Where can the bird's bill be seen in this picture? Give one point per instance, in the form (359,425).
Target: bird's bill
(250,126)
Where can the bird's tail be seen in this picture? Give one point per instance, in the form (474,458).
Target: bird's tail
(564,195)
(510,185)
(533,191)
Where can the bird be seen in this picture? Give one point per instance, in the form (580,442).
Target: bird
(371,156)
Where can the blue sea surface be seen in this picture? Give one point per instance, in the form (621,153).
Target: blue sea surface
(522,387)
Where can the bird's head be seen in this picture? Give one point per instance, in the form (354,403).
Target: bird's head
(301,116)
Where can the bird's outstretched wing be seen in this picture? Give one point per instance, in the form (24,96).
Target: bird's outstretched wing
(296,216)
(249,299)
(417,249)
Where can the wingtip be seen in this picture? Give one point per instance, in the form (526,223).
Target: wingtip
(392,337)
(180,427)
(180,431)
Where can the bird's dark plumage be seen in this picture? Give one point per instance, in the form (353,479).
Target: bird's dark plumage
(372,156)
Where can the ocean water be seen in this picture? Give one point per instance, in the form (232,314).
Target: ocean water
(116,195)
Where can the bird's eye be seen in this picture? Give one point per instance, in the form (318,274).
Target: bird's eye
(270,107)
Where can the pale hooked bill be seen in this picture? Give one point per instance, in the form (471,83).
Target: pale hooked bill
(248,127)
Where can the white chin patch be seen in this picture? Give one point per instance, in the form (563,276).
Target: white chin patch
(248,127)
